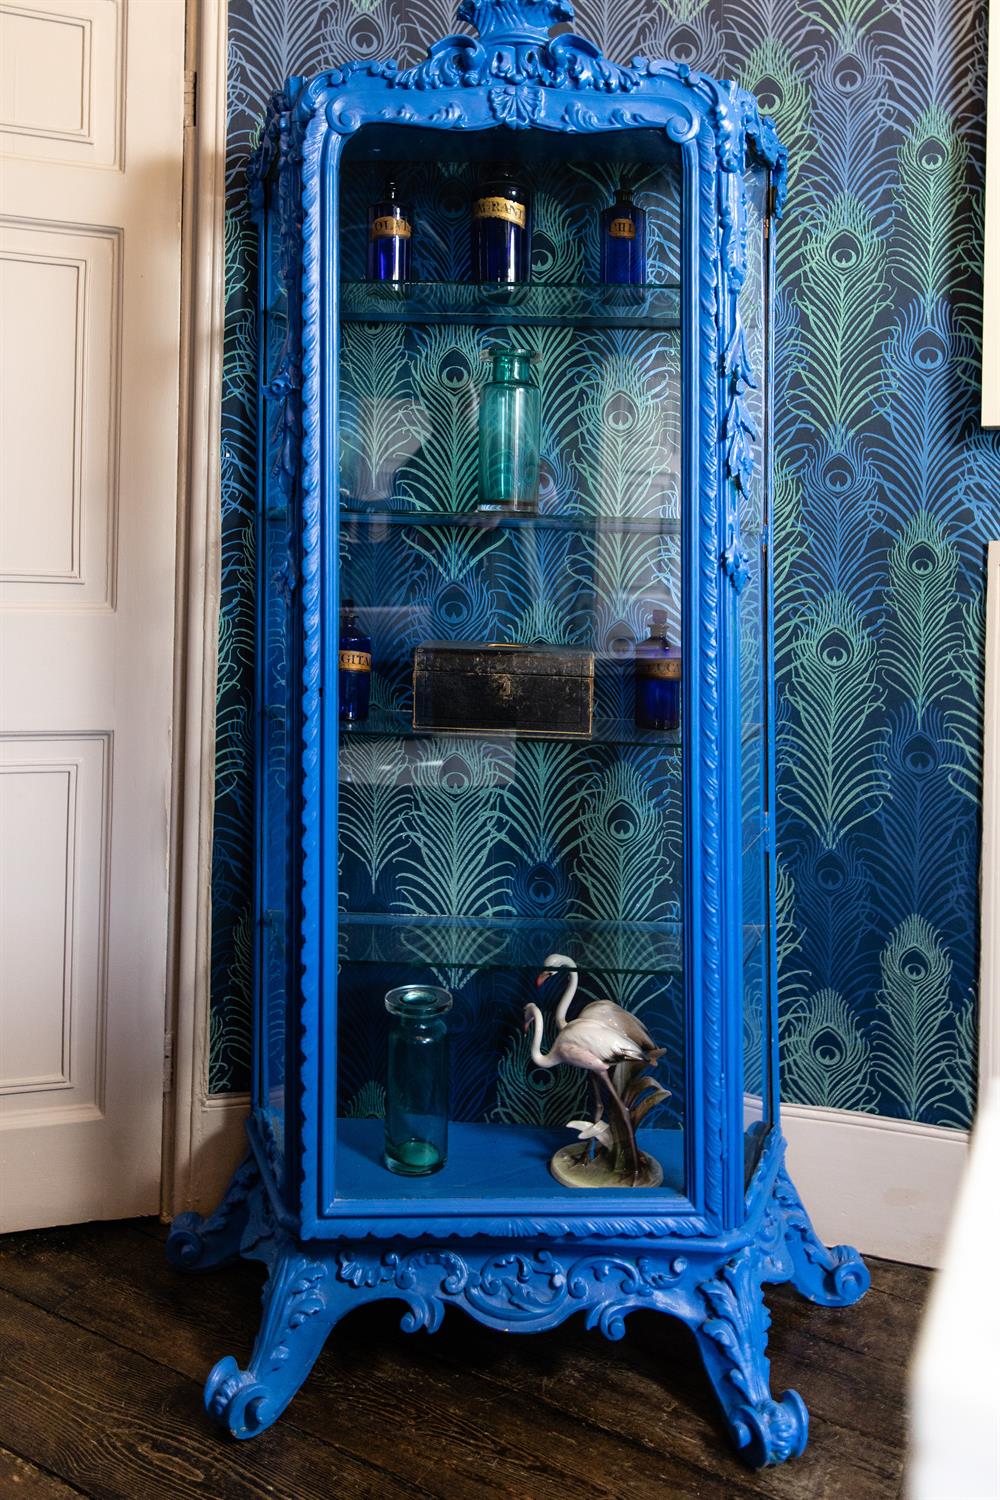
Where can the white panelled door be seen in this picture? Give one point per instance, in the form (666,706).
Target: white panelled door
(91,120)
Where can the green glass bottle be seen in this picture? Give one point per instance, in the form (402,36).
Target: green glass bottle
(416,1114)
(510,414)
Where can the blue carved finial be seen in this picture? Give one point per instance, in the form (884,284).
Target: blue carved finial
(514,21)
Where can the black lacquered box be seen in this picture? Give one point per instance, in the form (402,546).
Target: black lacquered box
(494,688)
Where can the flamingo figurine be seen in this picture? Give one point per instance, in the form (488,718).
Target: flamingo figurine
(605,1011)
(596,1048)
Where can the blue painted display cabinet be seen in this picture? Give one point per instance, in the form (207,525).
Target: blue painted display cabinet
(385,855)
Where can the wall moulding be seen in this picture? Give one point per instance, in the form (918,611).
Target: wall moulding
(193,1140)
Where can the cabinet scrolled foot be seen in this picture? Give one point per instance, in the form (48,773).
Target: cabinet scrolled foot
(185,1246)
(236,1399)
(771,1431)
(832,1277)
(299,1310)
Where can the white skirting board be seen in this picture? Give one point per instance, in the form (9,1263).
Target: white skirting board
(217,1144)
(886,1186)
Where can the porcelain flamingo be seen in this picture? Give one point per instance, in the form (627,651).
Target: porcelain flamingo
(594,1047)
(606,1011)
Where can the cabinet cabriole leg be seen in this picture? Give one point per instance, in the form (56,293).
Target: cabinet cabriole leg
(732,1338)
(299,1312)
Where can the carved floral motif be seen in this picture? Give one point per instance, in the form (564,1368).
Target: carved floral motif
(737,566)
(739,431)
(517,107)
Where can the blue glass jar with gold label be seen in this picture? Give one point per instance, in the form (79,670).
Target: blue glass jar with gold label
(657,678)
(623,241)
(390,236)
(501,228)
(354,676)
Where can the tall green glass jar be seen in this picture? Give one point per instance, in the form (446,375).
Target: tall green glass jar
(416,1114)
(510,419)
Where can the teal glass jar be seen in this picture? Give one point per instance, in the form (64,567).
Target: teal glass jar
(510,420)
(416,1113)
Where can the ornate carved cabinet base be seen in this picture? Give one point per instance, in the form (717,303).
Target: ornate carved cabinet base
(627,853)
(523,1287)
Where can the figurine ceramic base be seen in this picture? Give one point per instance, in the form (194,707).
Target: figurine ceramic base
(715,1287)
(574,1166)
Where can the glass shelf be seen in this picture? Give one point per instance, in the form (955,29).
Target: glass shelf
(498,521)
(532,305)
(385,723)
(515,943)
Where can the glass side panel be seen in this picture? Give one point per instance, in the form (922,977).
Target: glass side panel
(757,1083)
(276,568)
(501,800)
(753,863)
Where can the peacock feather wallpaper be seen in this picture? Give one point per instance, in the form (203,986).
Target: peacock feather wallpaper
(886,492)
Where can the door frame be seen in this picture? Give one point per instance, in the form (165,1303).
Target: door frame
(203,1136)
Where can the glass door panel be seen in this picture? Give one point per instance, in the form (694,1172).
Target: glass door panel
(474,846)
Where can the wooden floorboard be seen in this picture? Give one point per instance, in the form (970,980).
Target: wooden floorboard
(105,1350)
(22,1480)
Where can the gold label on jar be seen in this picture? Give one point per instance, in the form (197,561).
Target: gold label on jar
(389,228)
(621,229)
(355,661)
(501,208)
(647,667)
